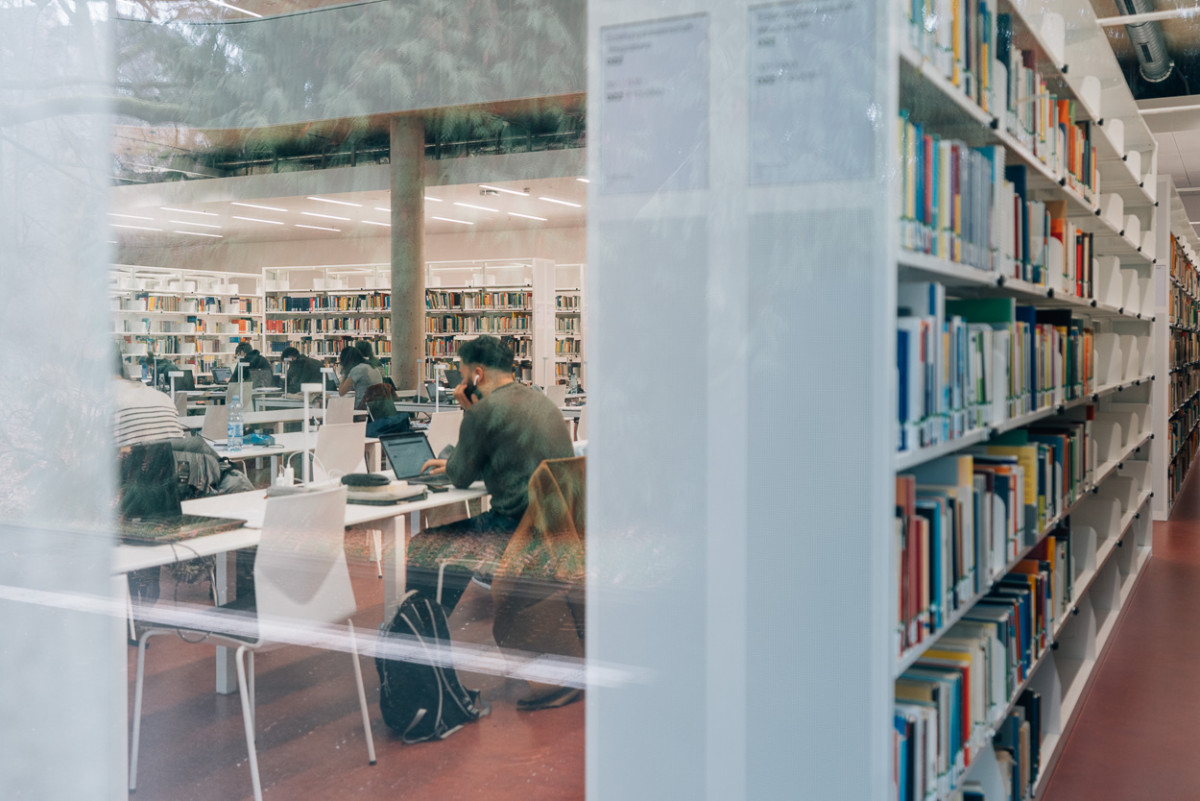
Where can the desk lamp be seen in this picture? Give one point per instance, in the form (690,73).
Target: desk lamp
(328,373)
(173,375)
(307,390)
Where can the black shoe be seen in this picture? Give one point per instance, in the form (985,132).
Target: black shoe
(559,697)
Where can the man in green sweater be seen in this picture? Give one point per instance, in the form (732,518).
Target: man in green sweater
(507,430)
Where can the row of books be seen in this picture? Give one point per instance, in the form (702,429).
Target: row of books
(962,519)
(190,305)
(331,348)
(1182,309)
(566,325)
(330,325)
(567,302)
(478,300)
(564,370)
(967,364)
(567,347)
(961,691)
(949,196)
(448,348)
(367,301)
(189,325)
(972,47)
(1182,268)
(1183,346)
(475,324)
(1183,386)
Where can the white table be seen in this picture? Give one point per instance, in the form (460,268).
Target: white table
(294,442)
(273,417)
(251,506)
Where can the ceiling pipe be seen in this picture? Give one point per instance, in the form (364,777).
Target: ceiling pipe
(1154,61)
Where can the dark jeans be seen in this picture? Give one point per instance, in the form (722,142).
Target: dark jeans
(467,547)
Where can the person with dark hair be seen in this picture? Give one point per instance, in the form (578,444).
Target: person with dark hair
(368,354)
(356,374)
(245,352)
(300,369)
(507,430)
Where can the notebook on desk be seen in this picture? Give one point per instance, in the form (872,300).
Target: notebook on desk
(149,511)
(406,453)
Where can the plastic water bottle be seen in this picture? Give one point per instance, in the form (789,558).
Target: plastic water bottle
(237,426)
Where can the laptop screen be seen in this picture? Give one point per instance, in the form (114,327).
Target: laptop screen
(222,374)
(407,453)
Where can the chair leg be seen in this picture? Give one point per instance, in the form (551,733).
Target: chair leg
(441,575)
(253,697)
(377,549)
(137,709)
(362,695)
(129,613)
(248,722)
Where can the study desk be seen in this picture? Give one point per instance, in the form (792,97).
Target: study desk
(275,418)
(294,442)
(251,506)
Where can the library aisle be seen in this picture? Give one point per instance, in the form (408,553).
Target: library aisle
(1137,731)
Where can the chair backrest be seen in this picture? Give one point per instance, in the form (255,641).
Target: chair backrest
(262,378)
(443,429)
(242,389)
(180,404)
(339,411)
(581,425)
(557,393)
(300,572)
(340,450)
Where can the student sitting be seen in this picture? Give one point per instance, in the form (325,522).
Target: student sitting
(301,369)
(507,430)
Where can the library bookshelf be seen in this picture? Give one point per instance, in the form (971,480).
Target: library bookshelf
(323,309)
(512,299)
(570,322)
(1183,341)
(1031,381)
(193,318)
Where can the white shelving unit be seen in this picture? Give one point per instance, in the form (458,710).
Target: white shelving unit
(1180,345)
(323,309)
(1107,517)
(512,299)
(191,317)
(570,323)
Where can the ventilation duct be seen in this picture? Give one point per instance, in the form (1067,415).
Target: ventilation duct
(1147,37)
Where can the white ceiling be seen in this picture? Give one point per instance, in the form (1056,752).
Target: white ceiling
(138,220)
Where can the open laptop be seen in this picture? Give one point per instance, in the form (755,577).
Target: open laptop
(432,391)
(221,375)
(185,382)
(149,511)
(216,424)
(406,453)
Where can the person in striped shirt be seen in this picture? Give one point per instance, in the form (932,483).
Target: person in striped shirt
(141,414)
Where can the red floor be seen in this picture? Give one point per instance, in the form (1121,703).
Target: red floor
(310,740)
(1137,735)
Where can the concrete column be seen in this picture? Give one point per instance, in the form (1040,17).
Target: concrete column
(408,250)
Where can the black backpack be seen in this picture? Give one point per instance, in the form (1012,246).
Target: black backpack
(422,698)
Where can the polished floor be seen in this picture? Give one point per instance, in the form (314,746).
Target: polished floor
(1137,735)
(310,737)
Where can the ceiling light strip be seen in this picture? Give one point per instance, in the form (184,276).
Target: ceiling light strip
(235,8)
(560,202)
(131,216)
(258,220)
(199,233)
(190,211)
(335,202)
(319,228)
(376,222)
(325,216)
(197,224)
(256,206)
(135,227)
(526,216)
(451,219)
(473,206)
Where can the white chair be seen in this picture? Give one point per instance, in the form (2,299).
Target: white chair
(340,450)
(340,411)
(581,425)
(302,589)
